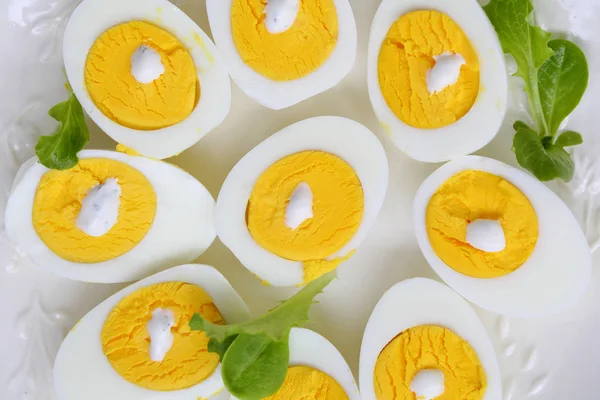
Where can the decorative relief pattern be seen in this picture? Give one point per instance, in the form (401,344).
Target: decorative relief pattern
(47,20)
(41,332)
(20,136)
(581,194)
(527,381)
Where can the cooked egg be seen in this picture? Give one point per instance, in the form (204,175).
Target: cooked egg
(108,354)
(281,52)
(146,74)
(501,238)
(316,370)
(300,203)
(436,76)
(111,218)
(423,341)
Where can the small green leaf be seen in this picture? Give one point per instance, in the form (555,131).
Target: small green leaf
(275,323)
(545,162)
(513,21)
(569,138)
(562,80)
(214,346)
(255,353)
(59,150)
(255,366)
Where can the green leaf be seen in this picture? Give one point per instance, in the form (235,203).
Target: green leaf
(513,21)
(545,160)
(255,366)
(59,150)
(562,80)
(255,353)
(569,138)
(276,323)
(220,348)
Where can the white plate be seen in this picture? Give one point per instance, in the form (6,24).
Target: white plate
(548,359)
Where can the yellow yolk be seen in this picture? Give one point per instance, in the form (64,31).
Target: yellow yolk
(58,201)
(338,205)
(429,347)
(308,384)
(126,342)
(164,102)
(472,195)
(404,59)
(291,54)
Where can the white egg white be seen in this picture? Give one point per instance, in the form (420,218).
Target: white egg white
(82,371)
(347,139)
(421,301)
(556,274)
(479,126)
(282,94)
(183,226)
(93,17)
(308,348)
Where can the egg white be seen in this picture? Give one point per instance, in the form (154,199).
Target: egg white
(282,94)
(556,274)
(183,226)
(421,301)
(82,371)
(93,17)
(479,126)
(308,348)
(347,139)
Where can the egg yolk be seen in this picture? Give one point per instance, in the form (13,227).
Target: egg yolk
(471,195)
(406,56)
(166,101)
(337,208)
(126,341)
(308,384)
(429,347)
(58,200)
(289,55)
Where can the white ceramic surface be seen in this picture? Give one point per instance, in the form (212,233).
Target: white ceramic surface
(551,359)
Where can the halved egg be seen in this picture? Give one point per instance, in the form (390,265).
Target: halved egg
(316,370)
(111,218)
(424,341)
(137,344)
(281,52)
(437,78)
(501,238)
(146,74)
(299,203)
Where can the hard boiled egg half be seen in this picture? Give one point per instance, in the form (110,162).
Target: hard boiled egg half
(316,370)
(281,52)
(137,344)
(424,341)
(111,218)
(146,74)
(299,203)
(501,238)
(436,76)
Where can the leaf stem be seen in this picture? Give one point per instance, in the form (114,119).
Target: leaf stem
(535,104)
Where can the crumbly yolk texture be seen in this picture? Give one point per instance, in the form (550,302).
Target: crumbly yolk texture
(126,342)
(429,347)
(472,195)
(58,201)
(405,57)
(338,205)
(163,102)
(307,383)
(289,55)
